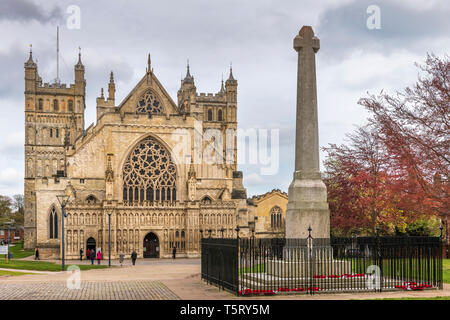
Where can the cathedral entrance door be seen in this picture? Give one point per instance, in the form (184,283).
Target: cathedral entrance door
(91,244)
(151,246)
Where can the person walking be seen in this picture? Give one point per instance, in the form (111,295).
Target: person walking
(174,252)
(88,254)
(36,254)
(121,256)
(81,254)
(99,257)
(133,257)
(92,256)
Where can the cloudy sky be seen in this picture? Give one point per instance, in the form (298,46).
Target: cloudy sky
(255,35)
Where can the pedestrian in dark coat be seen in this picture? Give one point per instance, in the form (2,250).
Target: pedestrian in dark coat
(36,254)
(174,252)
(81,254)
(92,256)
(133,257)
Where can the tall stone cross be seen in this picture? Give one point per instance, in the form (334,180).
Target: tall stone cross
(307,196)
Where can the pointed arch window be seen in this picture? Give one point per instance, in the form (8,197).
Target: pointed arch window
(55,105)
(149,103)
(149,173)
(70,106)
(276,217)
(53,224)
(40,104)
(219,115)
(210,115)
(91,199)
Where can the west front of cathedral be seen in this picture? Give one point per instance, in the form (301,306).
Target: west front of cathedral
(143,178)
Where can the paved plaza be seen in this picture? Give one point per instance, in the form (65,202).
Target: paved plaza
(89,290)
(152,279)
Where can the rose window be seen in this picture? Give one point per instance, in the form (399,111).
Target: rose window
(149,173)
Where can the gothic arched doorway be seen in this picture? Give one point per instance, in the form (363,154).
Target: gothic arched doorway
(151,246)
(90,244)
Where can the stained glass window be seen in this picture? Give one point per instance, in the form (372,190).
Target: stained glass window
(149,173)
(276,217)
(149,103)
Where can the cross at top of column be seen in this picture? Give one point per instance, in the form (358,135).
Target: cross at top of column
(306,39)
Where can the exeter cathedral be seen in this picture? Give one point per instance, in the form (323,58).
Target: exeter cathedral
(127,176)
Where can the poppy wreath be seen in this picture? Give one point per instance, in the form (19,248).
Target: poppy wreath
(413,286)
(314,289)
(248,292)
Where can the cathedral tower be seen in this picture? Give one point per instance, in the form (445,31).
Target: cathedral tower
(54,117)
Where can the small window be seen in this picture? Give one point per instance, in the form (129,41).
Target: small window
(210,117)
(57,132)
(81,180)
(91,199)
(55,105)
(53,224)
(177,234)
(51,132)
(219,115)
(70,105)
(40,104)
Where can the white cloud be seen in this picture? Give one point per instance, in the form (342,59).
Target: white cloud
(252,179)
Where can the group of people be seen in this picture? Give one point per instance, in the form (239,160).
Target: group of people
(90,254)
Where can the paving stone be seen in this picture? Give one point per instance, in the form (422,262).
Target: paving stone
(89,290)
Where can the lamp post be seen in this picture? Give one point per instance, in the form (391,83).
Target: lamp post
(109,232)
(210,231)
(63,199)
(201,233)
(222,230)
(8,239)
(237,232)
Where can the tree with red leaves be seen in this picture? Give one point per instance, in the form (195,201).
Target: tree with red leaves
(414,125)
(395,170)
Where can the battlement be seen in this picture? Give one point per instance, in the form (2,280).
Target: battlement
(52,88)
(218,97)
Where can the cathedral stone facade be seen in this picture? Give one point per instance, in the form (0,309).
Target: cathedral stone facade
(135,172)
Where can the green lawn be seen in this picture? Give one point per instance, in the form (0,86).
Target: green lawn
(417,298)
(18,251)
(12,273)
(253,269)
(42,265)
(446,267)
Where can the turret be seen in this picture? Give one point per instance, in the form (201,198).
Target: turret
(31,76)
(231,87)
(187,92)
(111,89)
(80,82)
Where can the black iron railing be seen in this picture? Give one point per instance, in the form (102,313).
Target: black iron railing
(220,262)
(250,266)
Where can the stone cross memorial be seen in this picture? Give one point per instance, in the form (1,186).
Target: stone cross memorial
(307,204)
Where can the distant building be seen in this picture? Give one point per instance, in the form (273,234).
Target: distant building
(15,234)
(269,214)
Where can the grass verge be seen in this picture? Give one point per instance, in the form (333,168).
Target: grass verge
(43,265)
